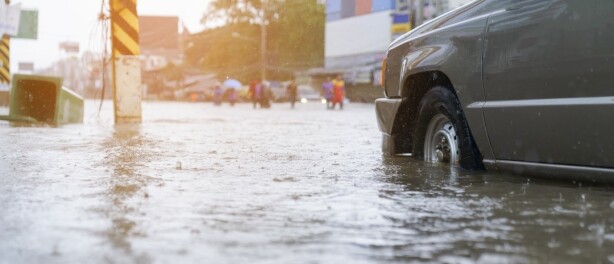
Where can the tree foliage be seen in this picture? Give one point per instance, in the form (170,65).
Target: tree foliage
(294,37)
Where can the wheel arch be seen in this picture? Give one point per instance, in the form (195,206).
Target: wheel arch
(413,89)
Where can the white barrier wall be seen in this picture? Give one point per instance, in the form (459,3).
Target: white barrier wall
(456,3)
(357,35)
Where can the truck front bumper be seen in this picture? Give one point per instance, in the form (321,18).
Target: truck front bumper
(386,110)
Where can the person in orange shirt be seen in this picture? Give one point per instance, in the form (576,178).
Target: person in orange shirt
(338,92)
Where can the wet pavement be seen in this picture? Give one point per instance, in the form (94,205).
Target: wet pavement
(203,184)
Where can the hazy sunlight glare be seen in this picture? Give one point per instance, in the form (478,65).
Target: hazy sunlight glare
(76,20)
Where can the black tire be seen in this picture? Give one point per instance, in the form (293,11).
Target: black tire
(441,101)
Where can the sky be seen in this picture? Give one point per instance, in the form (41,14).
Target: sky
(76,20)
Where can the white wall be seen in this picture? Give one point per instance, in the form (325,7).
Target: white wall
(360,34)
(456,3)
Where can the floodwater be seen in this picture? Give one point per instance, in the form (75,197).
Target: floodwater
(203,184)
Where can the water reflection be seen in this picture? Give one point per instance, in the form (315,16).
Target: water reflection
(126,151)
(477,216)
(275,187)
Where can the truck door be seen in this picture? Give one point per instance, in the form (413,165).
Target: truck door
(548,75)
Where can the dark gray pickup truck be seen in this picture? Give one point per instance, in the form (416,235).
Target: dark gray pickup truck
(517,85)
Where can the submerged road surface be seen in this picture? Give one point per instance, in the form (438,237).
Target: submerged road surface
(203,184)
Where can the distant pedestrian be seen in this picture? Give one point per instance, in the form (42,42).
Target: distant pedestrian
(231,94)
(338,92)
(193,97)
(255,92)
(218,95)
(292,92)
(265,96)
(327,90)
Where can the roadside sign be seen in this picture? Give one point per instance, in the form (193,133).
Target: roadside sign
(26,66)
(9,18)
(28,25)
(400,23)
(70,46)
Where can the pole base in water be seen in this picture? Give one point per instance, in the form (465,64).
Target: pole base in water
(128,119)
(127,87)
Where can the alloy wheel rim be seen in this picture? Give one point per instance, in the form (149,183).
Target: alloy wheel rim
(441,141)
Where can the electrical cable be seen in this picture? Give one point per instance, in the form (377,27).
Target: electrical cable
(105,40)
(98,36)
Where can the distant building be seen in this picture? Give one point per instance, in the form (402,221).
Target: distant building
(160,41)
(161,54)
(358,33)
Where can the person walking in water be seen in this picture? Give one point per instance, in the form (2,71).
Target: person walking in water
(232,96)
(292,92)
(217,95)
(338,92)
(265,95)
(327,90)
(255,92)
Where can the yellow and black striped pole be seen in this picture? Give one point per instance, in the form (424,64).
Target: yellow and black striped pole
(125,27)
(126,63)
(5,59)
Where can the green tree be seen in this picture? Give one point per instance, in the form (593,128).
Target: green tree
(295,38)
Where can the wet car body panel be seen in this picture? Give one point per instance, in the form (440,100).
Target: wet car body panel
(548,93)
(462,44)
(449,45)
(454,51)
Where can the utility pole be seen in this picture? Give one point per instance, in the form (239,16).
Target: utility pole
(126,64)
(5,56)
(263,42)
(419,12)
(410,13)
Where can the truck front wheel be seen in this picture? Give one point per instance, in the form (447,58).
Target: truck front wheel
(442,134)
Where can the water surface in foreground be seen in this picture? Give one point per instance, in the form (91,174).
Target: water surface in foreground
(198,183)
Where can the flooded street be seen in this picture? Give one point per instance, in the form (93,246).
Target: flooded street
(196,183)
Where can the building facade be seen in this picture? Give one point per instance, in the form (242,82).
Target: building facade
(358,33)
